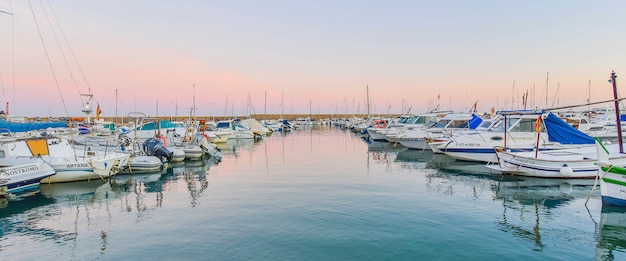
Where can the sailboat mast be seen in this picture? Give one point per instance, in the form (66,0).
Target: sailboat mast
(513,107)
(589,101)
(194,102)
(116,106)
(367,90)
(547,77)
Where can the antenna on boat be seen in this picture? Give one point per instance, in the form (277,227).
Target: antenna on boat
(617,116)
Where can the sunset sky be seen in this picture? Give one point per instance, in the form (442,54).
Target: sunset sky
(316,56)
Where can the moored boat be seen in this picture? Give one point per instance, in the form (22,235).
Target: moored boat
(69,163)
(612,179)
(23,173)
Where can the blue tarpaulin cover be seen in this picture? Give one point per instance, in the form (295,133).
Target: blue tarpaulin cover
(29,126)
(560,131)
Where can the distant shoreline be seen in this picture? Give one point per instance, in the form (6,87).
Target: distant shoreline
(215,118)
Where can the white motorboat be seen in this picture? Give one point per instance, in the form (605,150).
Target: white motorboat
(23,173)
(70,163)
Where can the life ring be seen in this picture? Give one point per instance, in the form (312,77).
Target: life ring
(206,136)
(381,124)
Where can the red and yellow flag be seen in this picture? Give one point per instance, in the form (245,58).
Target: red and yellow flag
(98,112)
(538,124)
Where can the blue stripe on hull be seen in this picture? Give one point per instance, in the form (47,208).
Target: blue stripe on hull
(611,201)
(24,185)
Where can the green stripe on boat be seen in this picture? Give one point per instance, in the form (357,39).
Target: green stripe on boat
(612,181)
(615,170)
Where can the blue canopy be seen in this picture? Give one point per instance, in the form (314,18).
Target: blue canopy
(560,131)
(29,126)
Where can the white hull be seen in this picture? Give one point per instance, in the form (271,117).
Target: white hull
(87,168)
(177,154)
(18,174)
(239,135)
(143,164)
(377,134)
(193,152)
(551,164)
(613,188)
(473,156)
(414,143)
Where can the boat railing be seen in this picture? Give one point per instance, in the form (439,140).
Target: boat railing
(7,132)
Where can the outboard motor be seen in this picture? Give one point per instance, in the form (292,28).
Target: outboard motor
(200,140)
(154,147)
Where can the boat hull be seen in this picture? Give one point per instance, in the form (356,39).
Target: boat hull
(24,174)
(87,168)
(414,143)
(525,165)
(613,188)
(143,164)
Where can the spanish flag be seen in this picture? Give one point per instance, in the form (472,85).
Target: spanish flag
(538,124)
(98,112)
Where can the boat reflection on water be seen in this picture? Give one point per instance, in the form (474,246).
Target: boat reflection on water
(74,190)
(612,234)
(20,205)
(445,162)
(233,146)
(384,146)
(551,191)
(192,173)
(408,155)
(525,201)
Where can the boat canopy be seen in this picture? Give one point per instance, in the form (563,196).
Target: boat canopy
(28,126)
(560,131)
(475,121)
(165,124)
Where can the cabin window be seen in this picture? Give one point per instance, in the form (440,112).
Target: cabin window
(423,120)
(223,125)
(524,125)
(442,124)
(458,124)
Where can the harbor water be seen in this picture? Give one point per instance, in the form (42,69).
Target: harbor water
(318,193)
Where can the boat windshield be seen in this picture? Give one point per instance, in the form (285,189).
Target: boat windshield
(423,119)
(518,125)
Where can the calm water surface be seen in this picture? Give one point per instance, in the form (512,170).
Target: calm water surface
(314,194)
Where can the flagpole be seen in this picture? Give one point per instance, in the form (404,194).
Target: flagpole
(538,129)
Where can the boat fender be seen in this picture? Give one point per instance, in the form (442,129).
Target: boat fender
(163,138)
(566,171)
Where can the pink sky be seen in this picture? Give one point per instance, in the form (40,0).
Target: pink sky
(309,54)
